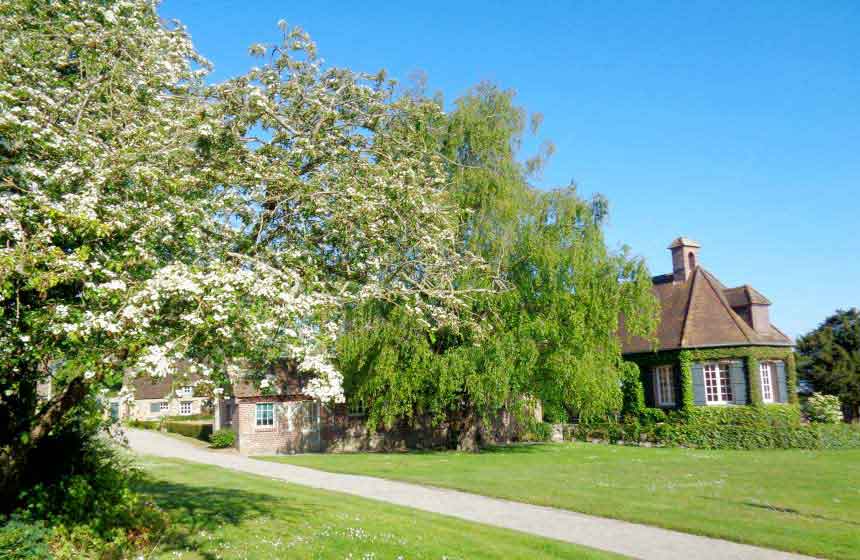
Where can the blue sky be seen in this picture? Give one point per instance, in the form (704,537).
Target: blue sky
(736,124)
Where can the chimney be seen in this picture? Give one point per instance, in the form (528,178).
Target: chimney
(685,258)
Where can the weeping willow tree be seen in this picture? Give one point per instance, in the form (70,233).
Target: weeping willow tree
(544,316)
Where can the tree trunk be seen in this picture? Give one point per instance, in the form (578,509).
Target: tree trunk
(15,454)
(468,431)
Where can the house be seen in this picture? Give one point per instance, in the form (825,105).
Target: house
(714,345)
(156,398)
(275,416)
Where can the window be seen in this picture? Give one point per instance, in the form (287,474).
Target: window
(162,406)
(718,389)
(186,391)
(265,414)
(154,407)
(185,408)
(664,386)
(765,373)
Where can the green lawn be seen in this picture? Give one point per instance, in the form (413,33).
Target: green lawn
(805,501)
(223,514)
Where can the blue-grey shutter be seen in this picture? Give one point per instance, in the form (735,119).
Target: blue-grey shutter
(739,382)
(698,384)
(781,382)
(155,407)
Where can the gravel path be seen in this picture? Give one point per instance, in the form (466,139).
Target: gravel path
(630,539)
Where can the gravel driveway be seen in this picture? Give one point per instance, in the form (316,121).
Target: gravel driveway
(630,539)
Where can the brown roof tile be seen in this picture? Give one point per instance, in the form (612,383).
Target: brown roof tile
(698,313)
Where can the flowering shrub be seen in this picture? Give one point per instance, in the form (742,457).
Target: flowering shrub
(825,409)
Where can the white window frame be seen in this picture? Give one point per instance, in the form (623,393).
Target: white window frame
(186,391)
(182,407)
(163,406)
(257,416)
(765,374)
(722,388)
(664,385)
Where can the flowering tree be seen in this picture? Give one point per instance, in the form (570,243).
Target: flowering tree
(146,217)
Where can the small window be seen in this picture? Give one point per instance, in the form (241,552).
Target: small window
(162,406)
(718,388)
(265,414)
(154,407)
(665,388)
(185,408)
(765,373)
(186,391)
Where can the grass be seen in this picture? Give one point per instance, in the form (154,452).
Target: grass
(217,513)
(795,500)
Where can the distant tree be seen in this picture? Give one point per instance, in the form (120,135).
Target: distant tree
(830,358)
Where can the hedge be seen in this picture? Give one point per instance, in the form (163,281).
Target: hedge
(743,427)
(189,429)
(145,424)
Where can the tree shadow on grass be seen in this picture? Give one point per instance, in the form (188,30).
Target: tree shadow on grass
(195,511)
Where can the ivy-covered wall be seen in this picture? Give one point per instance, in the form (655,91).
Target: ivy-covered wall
(683,360)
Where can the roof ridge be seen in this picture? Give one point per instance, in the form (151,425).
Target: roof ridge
(739,323)
(687,307)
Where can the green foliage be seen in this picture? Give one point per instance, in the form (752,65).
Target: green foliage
(538,431)
(753,381)
(772,426)
(222,439)
(190,429)
(685,361)
(550,333)
(144,424)
(190,417)
(652,416)
(824,409)
(632,392)
(771,415)
(829,357)
(24,540)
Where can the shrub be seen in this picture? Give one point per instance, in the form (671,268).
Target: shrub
(144,424)
(190,429)
(190,418)
(22,540)
(825,409)
(222,439)
(651,416)
(632,392)
(538,431)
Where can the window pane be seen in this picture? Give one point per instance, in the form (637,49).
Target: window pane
(665,387)
(265,414)
(712,393)
(154,407)
(766,386)
(725,384)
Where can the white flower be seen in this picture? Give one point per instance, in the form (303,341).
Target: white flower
(89,374)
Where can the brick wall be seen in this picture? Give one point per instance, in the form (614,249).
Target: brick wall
(297,429)
(296,426)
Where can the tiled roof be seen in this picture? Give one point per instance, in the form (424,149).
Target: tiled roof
(284,379)
(698,313)
(146,387)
